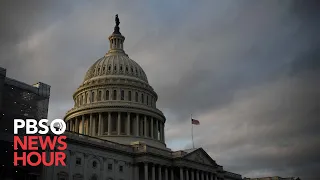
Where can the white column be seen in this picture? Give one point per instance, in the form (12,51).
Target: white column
(71,125)
(151,122)
(100,125)
(82,124)
(161,133)
(136,172)
(68,125)
(181,173)
(119,123)
(198,175)
(187,174)
(163,138)
(165,173)
(153,172)
(109,123)
(77,125)
(171,174)
(202,175)
(157,128)
(207,175)
(192,174)
(93,126)
(145,126)
(90,125)
(128,124)
(159,173)
(211,176)
(137,125)
(146,171)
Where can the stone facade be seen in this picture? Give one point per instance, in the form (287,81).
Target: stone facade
(115,131)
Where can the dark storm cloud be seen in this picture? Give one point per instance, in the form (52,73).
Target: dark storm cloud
(248,70)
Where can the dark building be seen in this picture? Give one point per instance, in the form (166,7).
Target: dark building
(19,100)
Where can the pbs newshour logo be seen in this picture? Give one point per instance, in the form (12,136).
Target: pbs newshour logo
(37,142)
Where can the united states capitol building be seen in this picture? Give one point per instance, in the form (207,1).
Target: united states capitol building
(116,132)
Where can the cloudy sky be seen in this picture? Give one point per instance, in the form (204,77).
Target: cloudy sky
(248,70)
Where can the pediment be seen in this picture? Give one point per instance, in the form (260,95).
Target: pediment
(200,156)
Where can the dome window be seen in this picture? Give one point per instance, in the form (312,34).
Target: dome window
(142,98)
(122,94)
(136,72)
(114,95)
(98,71)
(127,69)
(103,69)
(92,97)
(107,94)
(120,67)
(115,68)
(131,70)
(136,97)
(147,100)
(109,68)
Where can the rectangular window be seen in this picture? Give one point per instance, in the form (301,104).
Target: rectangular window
(109,166)
(78,161)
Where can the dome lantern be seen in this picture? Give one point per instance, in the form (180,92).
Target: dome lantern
(116,39)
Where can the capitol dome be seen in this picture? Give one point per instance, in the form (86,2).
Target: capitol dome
(115,101)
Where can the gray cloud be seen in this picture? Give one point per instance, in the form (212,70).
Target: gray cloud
(248,70)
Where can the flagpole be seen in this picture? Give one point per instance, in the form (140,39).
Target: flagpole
(192,132)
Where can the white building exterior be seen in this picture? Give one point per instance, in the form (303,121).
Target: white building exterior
(115,131)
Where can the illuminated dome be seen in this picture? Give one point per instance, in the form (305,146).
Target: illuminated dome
(115,101)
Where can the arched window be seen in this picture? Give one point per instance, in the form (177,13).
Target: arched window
(92,97)
(115,68)
(107,94)
(142,98)
(98,71)
(99,95)
(122,94)
(120,67)
(129,95)
(86,98)
(109,68)
(94,164)
(114,95)
(81,98)
(147,100)
(137,96)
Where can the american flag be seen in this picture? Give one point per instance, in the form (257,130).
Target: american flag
(195,122)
